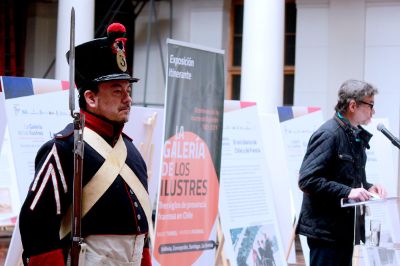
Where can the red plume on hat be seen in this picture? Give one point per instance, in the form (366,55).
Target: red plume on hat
(116,32)
(116,28)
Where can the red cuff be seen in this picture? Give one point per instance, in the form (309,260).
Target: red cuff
(52,258)
(146,257)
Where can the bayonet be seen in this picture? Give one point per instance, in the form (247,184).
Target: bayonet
(71,61)
(79,122)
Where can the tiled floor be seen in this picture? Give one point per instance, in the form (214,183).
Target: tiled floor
(4,242)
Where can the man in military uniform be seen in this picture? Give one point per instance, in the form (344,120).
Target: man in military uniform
(116,215)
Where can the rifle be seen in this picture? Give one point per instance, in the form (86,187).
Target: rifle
(78,122)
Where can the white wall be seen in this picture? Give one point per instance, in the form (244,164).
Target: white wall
(197,21)
(329,49)
(40,39)
(382,58)
(346,45)
(312,44)
(155,80)
(382,61)
(206,23)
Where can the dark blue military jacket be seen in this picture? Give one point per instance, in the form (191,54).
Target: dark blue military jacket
(117,212)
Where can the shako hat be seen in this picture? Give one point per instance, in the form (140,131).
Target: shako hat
(102,59)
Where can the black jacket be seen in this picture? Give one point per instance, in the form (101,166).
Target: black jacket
(334,163)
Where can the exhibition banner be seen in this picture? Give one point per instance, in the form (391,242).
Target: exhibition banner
(188,192)
(274,150)
(3,120)
(9,198)
(247,210)
(36,109)
(381,165)
(9,195)
(297,125)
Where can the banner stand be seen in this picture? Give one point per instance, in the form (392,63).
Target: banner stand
(291,241)
(220,258)
(187,209)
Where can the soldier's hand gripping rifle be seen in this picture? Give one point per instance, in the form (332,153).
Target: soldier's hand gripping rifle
(78,121)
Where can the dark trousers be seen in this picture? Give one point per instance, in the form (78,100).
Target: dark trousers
(323,253)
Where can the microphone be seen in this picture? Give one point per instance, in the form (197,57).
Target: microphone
(395,141)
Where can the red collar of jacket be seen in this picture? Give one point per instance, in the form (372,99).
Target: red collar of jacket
(108,130)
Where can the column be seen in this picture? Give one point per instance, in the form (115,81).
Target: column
(84,30)
(263,54)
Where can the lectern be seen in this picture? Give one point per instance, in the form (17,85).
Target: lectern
(382,232)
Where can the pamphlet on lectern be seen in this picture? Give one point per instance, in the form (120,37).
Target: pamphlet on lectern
(346,202)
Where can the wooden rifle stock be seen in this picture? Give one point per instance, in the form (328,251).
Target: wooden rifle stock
(76,235)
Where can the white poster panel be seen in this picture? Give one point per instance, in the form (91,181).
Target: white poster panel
(296,133)
(9,199)
(145,127)
(3,121)
(36,109)
(9,196)
(274,149)
(380,166)
(370,256)
(246,207)
(32,121)
(297,128)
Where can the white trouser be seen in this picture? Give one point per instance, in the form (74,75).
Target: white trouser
(113,250)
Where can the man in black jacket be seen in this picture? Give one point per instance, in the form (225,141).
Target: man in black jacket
(334,168)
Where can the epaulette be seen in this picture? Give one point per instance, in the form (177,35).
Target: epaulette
(65,133)
(125,135)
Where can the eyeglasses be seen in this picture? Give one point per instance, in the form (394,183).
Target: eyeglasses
(371,105)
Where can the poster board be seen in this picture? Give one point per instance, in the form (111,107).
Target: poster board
(9,197)
(297,125)
(274,149)
(381,167)
(188,193)
(3,121)
(9,194)
(247,209)
(35,110)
